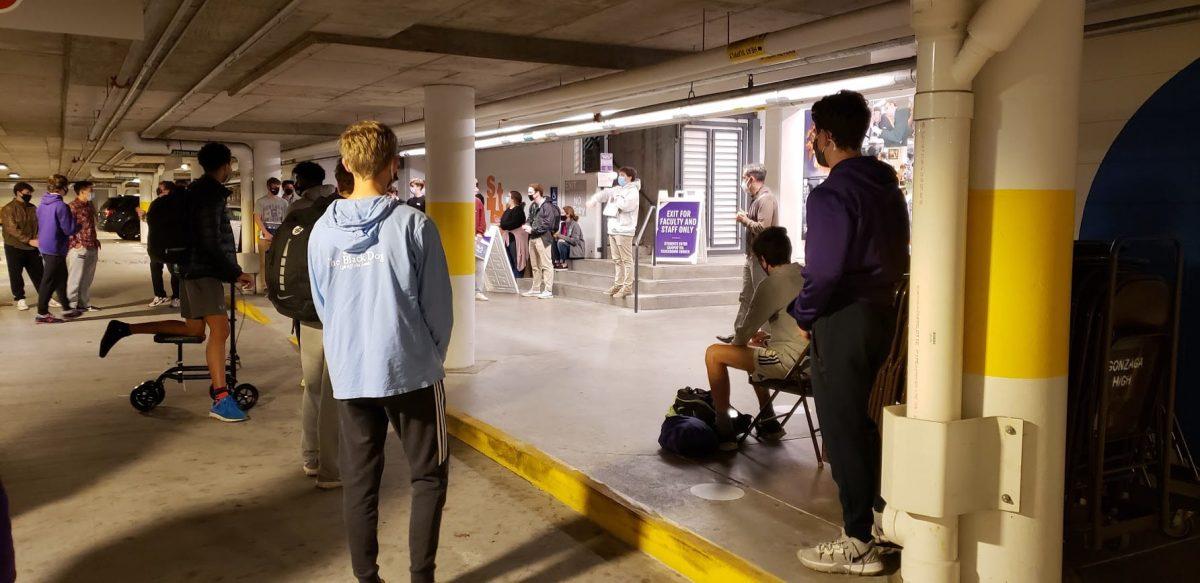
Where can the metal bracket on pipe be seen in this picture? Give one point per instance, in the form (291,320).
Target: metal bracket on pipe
(948,469)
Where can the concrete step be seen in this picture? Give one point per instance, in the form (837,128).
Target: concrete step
(663,271)
(602,282)
(647,301)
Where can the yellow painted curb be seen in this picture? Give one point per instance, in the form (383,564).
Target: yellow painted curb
(692,555)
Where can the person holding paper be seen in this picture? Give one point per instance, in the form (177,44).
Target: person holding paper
(621,208)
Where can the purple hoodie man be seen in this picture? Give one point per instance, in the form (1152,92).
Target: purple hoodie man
(56,224)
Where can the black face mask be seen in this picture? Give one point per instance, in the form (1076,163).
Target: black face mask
(26,197)
(821,161)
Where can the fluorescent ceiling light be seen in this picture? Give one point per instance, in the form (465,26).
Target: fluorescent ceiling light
(3,166)
(136,180)
(413,152)
(185,166)
(13,175)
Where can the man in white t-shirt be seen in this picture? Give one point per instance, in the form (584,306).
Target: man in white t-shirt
(269,211)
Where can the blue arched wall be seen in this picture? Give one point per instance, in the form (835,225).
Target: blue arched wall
(1149,185)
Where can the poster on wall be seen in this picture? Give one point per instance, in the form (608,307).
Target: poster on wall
(677,228)
(497,270)
(606,162)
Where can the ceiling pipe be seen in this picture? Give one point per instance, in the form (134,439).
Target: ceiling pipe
(166,44)
(243,153)
(225,63)
(878,24)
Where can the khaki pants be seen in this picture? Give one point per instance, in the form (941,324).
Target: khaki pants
(318,410)
(261,276)
(621,249)
(541,265)
(752,275)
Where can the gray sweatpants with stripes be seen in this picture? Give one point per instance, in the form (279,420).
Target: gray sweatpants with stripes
(419,418)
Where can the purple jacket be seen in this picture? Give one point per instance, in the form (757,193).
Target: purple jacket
(857,247)
(56,224)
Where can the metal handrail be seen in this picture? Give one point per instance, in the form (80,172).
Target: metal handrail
(637,244)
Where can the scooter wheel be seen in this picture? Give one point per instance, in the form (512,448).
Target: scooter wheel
(246,395)
(144,397)
(160,392)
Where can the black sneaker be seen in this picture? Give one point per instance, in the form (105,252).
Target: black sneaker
(116,330)
(769,430)
(725,339)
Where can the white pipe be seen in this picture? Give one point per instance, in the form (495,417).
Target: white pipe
(869,26)
(942,115)
(172,34)
(242,152)
(229,59)
(992,29)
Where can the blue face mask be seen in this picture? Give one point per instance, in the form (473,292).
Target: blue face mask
(621,180)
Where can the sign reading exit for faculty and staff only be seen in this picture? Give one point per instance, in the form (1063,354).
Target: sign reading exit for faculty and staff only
(677,237)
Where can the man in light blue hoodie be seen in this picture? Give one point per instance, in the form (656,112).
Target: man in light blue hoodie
(381,287)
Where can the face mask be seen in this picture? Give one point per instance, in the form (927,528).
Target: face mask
(621,180)
(26,197)
(821,161)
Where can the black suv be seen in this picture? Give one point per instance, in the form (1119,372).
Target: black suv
(118,215)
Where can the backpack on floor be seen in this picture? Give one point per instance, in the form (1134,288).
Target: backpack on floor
(698,403)
(287,263)
(687,436)
(170,226)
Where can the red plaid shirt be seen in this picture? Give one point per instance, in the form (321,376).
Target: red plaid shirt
(85,215)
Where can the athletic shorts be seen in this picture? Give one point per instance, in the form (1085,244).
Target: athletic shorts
(769,364)
(203,297)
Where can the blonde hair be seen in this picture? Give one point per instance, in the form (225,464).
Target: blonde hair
(367,148)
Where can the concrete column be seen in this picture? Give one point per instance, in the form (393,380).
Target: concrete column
(1018,282)
(449,178)
(146,191)
(265,165)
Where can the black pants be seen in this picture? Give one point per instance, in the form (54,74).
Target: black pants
(22,260)
(54,280)
(156,279)
(848,347)
(419,418)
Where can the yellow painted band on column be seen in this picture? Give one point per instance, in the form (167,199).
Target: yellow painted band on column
(456,224)
(692,555)
(1018,282)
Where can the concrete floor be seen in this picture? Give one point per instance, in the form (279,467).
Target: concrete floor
(102,493)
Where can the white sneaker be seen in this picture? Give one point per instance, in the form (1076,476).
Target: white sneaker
(175,303)
(531,294)
(845,556)
(54,303)
(21,305)
(546,295)
(91,309)
(479,297)
(157,301)
(311,470)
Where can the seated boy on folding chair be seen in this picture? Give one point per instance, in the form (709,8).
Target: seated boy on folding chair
(767,342)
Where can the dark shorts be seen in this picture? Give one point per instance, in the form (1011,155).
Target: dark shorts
(203,297)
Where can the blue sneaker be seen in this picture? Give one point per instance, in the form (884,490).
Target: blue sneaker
(227,410)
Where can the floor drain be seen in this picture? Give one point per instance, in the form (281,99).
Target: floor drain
(717,492)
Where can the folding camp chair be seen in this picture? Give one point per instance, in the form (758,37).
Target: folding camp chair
(798,383)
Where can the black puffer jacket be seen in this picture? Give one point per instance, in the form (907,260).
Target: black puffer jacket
(213,250)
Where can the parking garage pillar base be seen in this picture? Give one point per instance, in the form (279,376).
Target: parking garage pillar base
(449,180)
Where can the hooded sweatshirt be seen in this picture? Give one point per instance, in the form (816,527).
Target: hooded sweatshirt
(311,195)
(626,198)
(381,287)
(56,224)
(857,246)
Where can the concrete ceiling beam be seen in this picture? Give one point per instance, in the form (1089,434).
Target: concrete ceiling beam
(470,43)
